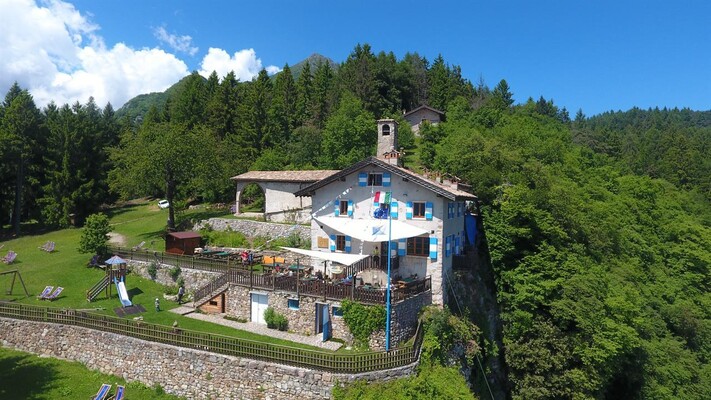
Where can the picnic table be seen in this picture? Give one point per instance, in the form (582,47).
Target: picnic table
(405,282)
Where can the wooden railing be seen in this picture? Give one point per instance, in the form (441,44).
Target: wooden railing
(204,294)
(312,359)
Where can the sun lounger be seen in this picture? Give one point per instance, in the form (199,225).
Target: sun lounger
(102,393)
(54,294)
(48,246)
(94,262)
(9,257)
(139,246)
(119,393)
(47,290)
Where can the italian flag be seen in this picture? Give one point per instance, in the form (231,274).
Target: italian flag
(381,197)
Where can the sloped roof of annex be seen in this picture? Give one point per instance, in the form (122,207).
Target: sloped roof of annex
(284,176)
(439,188)
(424,107)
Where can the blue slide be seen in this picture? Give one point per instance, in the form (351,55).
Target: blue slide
(123,295)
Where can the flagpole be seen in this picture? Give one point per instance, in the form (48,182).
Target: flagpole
(389,285)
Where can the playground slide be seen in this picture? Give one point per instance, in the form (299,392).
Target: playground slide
(123,295)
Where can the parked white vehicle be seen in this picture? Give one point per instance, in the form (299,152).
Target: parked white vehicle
(163,204)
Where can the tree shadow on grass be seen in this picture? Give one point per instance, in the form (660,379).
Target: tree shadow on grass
(25,377)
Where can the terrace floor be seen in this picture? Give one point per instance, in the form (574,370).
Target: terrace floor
(314,340)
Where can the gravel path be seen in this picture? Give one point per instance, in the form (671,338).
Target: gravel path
(314,340)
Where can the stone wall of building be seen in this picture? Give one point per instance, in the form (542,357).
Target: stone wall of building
(194,279)
(183,372)
(404,315)
(254,228)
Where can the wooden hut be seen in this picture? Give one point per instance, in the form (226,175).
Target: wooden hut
(182,242)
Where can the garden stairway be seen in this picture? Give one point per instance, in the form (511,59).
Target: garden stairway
(212,289)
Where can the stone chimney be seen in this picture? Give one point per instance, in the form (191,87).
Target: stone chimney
(387,142)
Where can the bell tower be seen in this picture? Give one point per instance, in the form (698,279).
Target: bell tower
(387,141)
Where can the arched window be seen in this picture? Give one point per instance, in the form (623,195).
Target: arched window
(386,130)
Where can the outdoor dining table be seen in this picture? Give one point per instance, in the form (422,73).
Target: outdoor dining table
(406,281)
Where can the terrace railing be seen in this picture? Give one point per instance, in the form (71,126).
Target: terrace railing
(313,359)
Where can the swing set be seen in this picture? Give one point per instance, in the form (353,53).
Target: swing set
(16,274)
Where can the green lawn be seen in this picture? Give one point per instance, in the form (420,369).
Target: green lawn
(25,376)
(66,267)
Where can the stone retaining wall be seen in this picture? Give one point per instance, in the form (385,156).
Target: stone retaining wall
(254,228)
(183,372)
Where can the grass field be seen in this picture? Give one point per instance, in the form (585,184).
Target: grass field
(66,267)
(25,376)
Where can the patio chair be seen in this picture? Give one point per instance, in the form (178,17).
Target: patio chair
(47,290)
(139,246)
(54,294)
(50,247)
(102,393)
(9,257)
(44,246)
(94,262)
(119,393)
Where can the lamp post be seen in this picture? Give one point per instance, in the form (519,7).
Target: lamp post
(387,292)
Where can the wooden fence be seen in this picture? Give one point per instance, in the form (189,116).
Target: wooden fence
(312,359)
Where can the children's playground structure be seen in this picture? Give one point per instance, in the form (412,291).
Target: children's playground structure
(116,275)
(15,274)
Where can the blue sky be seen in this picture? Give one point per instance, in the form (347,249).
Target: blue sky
(598,56)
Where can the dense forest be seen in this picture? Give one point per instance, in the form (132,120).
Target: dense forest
(597,229)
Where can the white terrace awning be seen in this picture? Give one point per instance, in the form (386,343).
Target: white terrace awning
(372,230)
(343,258)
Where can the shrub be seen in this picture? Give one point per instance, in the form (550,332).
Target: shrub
(152,270)
(180,282)
(275,320)
(175,273)
(363,320)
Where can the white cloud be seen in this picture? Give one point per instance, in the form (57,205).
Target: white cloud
(177,43)
(244,63)
(52,50)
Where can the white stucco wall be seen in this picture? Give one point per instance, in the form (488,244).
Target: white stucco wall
(280,203)
(402,192)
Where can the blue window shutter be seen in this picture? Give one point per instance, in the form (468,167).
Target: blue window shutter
(428,210)
(363,179)
(402,247)
(393,210)
(350,208)
(408,210)
(332,243)
(336,208)
(348,244)
(459,209)
(433,247)
(448,246)
(386,178)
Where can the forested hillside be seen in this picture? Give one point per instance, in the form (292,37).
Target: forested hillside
(598,229)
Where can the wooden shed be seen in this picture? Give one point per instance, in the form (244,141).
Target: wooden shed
(182,242)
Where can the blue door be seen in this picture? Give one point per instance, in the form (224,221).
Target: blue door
(326,322)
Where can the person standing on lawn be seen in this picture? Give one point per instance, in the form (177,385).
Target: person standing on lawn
(181,293)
